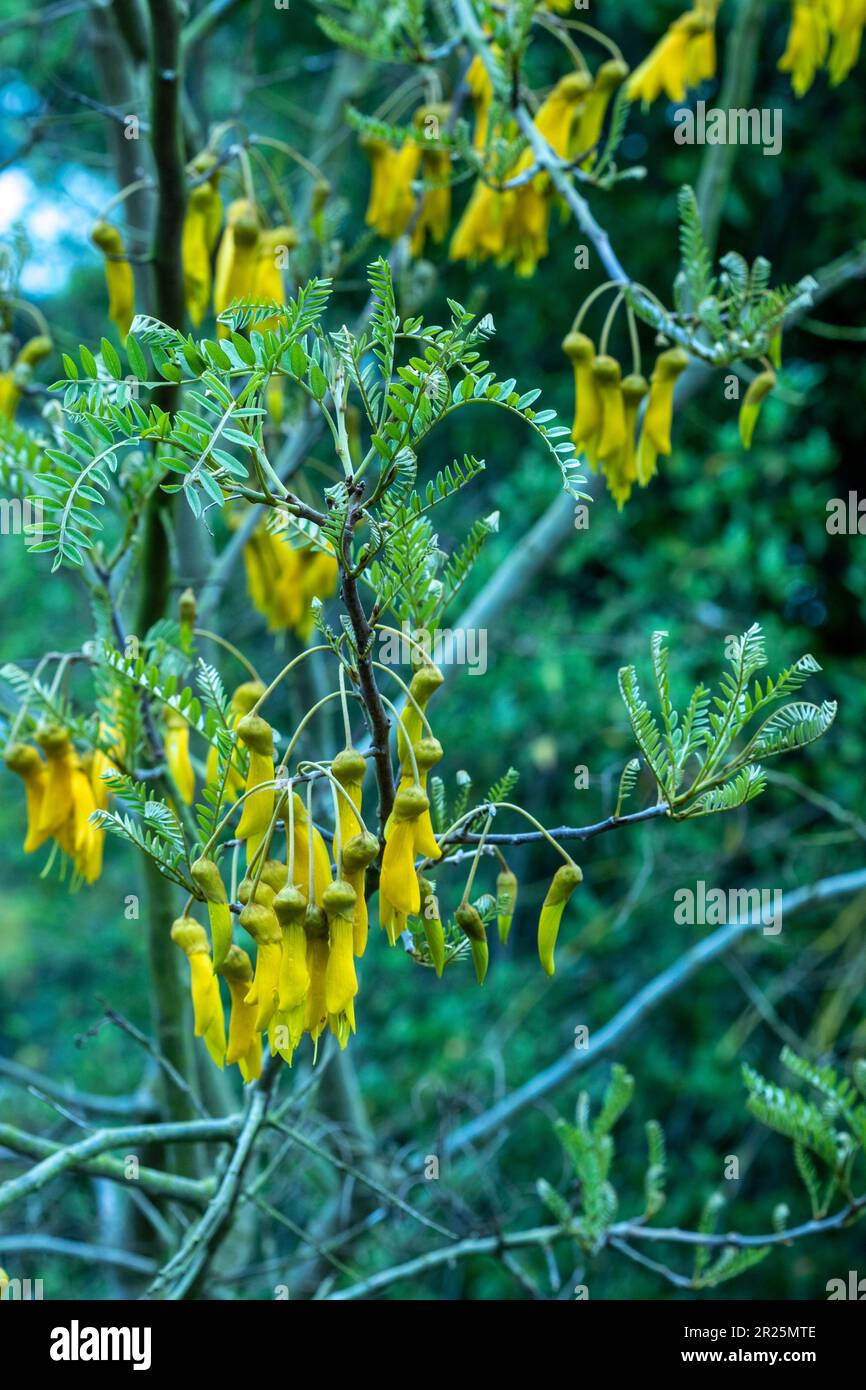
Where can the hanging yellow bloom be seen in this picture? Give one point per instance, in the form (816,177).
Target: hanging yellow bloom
(608,380)
(290,906)
(206,876)
(392,201)
(118,277)
(205,163)
(422,687)
(316,928)
(177,754)
(434,218)
(244,1045)
(237,259)
(25,760)
(261,922)
(242,701)
(79,838)
(195,252)
(207,1003)
(808,44)
(587,402)
(341,982)
(684,57)
(14,382)
(758,391)
(302,833)
(428,752)
(358,854)
(399,882)
(57,798)
(620,469)
(565,880)
(587,129)
(847,22)
(348,768)
(258,807)
(274,248)
(481,91)
(469,921)
(656,433)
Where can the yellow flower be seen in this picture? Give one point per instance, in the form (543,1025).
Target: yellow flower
(207,1003)
(480,89)
(237,259)
(258,807)
(290,906)
(847,21)
(422,687)
(565,880)
(316,928)
(608,379)
(656,433)
(434,218)
(13,382)
(348,768)
(118,277)
(683,57)
(302,832)
(274,247)
(587,129)
(242,701)
(358,854)
(244,1045)
(195,252)
(261,922)
(587,402)
(620,469)
(428,752)
(79,838)
(341,982)
(25,760)
(177,754)
(206,876)
(392,201)
(57,798)
(808,42)
(399,882)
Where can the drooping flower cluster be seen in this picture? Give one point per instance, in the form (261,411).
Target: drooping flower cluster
(306,914)
(282,581)
(63,789)
(392,200)
(824,34)
(607,407)
(683,58)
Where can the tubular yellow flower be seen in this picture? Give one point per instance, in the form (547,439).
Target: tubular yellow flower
(273,249)
(808,42)
(656,432)
(205,163)
(258,808)
(506,902)
(57,800)
(433,929)
(565,880)
(587,129)
(392,922)
(237,259)
(358,854)
(428,752)
(399,882)
(316,928)
(177,754)
(469,921)
(290,906)
(244,1045)
(206,876)
(758,391)
(587,408)
(207,1004)
(13,382)
(261,923)
(422,687)
(621,469)
(118,277)
(392,201)
(78,838)
(480,89)
(195,252)
(683,57)
(341,982)
(242,701)
(847,21)
(25,760)
(348,768)
(608,380)
(302,830)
